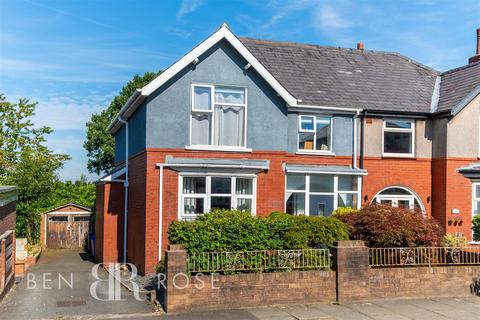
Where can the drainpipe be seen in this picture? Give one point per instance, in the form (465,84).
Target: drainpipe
(125,185)
(362,136)
(160,211)
(355,138)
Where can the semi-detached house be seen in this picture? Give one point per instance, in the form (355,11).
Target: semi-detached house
(273,126)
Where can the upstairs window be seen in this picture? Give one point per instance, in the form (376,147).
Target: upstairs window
(398,138)
(315,133)
(218,116)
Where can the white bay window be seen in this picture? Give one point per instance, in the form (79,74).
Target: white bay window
(200,194)
(319,194)
(218,117)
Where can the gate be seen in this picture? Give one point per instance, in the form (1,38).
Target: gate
(67,231)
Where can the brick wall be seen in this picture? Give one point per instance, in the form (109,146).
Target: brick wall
(414,174)
(243,290)
(8,215)
(353,280)
(109,222)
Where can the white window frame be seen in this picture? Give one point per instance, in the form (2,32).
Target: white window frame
(335,192)
(474,200)
(409,130)
(207,195)
(394,198)
(314,131)
(212,146)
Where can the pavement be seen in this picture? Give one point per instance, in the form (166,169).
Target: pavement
(58,286)
(414,309)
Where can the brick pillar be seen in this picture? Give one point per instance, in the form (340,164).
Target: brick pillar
(176,278)
(352,268)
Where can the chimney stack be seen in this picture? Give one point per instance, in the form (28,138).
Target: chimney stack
(476,57)
(360,45)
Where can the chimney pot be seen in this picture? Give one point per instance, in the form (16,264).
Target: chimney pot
(476,57)
(361,47)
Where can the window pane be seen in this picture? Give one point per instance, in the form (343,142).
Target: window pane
(193,205)
(347,183)
(244,204)
(386,202)
(398,142)
(476,208)
(229,95)
(398,124)
(305,141)
(347,200)
(202,99)
(323,134)
(221,185)
(244,186)
(229,126)
(321,205)
(221,202)
(395,191)
(477,191)
(295,203)
(295,181)
(306,123)
(81,218)
(58,218)
(193,185)
(321,183)
(404,204)
(201,128)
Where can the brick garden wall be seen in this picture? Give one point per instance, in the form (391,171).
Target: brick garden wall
(352,280)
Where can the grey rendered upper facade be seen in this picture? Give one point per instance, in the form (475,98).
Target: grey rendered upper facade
(341,84)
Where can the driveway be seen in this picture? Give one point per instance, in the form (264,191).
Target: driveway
(59,287)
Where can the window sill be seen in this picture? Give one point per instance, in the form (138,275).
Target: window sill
(474,242)
(398,155)
(218,148)
(316,153)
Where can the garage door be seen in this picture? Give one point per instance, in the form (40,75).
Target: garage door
(67,231)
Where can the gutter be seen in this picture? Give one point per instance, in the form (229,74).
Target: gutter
(125,185)
(119,118)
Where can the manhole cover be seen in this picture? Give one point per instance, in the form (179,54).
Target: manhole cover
(72,303)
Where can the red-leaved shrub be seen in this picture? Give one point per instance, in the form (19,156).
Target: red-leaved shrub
(386,226)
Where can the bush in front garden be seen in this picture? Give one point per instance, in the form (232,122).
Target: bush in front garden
(231,230)
(476,228)
(387,226)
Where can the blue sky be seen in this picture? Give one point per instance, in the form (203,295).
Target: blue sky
(74,56)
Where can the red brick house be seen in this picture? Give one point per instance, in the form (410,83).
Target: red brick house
(273,126)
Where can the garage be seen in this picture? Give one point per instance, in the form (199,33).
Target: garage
(66,227)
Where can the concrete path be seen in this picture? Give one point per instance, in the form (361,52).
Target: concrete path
(48,295)
(415,309)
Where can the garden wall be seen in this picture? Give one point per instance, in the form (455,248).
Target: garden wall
(352,280)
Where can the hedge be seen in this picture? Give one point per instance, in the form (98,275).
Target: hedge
(230,230)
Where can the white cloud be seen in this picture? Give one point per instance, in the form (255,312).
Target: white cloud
(328,18)
(68,113)
(187,7)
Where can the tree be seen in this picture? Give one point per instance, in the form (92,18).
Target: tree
(100,144)
(27,163)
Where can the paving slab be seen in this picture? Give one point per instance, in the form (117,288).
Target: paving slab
(437,307)
(409,311)
(375,311)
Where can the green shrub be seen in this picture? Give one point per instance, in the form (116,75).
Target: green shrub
(343,211)
(454,240)
(476,228)
(230,230)
(387,226)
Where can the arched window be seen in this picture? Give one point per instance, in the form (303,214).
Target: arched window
(398,196)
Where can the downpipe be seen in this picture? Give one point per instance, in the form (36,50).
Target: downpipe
(125,185)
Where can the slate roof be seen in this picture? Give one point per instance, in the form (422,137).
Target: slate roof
(457,84)
(340,77)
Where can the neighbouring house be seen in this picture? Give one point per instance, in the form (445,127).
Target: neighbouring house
(66,226)
(274,126)
(8,213)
